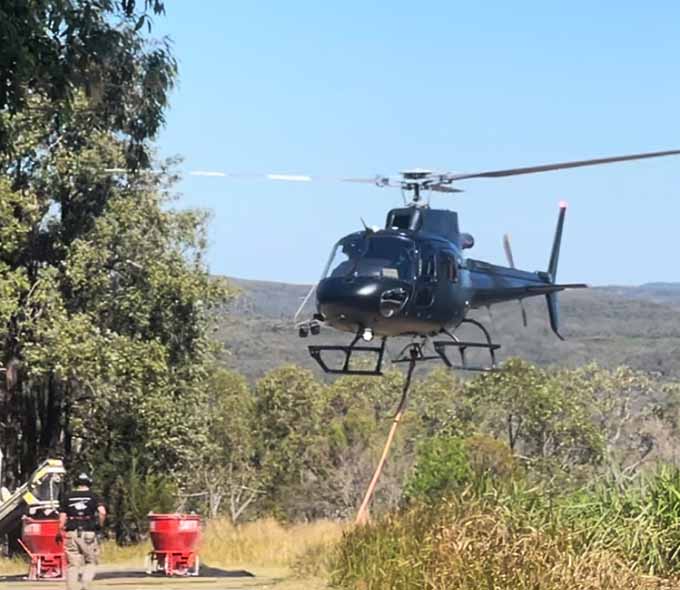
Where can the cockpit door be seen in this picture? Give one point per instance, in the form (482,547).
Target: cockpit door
(426,283)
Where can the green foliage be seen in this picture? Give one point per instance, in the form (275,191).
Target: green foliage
(289,404)
(490,458)
(441,404)
(227,470)
(639,520)
(105,299)
(54,51)
(133,496)
(542,417)
(442,466)
(449,465)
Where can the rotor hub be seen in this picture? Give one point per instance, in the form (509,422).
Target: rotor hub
(416,174)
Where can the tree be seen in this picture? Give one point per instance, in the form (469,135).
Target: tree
(228,464)
(105,299)
(441,404)
(357,418)
(52,52)
(288,404)
(539,417)
(626,405)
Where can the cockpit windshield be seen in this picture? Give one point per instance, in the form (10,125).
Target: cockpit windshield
(372,256)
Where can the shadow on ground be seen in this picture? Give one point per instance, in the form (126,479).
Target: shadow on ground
(205,571)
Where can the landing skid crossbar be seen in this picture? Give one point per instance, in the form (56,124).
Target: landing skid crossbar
(317,351)
(440,347)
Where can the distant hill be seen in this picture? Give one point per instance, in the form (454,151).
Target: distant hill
(668,293)
(638,326)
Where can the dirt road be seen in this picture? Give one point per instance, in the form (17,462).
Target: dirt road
(210,579)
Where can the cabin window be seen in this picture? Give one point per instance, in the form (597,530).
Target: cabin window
(372,256)
(387,257)
(344,256)
(401,221)
(427,265)
(449,268)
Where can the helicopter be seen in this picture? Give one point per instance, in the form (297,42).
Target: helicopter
(412,278)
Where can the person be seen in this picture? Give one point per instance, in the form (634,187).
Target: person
(81,514)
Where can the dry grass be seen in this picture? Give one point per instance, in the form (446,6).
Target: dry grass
(132,555)
(12,566)
(266,542)
(265,547)
(481,547)
(469,547)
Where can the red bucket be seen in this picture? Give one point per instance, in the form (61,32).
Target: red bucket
(40,536)
(175,539)
(175,532)
(39,540)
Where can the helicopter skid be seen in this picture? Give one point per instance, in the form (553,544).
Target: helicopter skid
(441,346)
(349,352)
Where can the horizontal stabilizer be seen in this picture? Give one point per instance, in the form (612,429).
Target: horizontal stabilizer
(530,290)
(553,288)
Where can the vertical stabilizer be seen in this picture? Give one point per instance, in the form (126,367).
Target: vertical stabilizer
(555,254)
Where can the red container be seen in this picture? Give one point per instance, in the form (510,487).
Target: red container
(39,540)
(175,539)
(40,536)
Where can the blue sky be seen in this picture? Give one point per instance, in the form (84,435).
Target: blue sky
(360,88)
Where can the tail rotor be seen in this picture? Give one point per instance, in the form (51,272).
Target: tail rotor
(511,263)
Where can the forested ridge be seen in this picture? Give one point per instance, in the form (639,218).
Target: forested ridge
(634,326)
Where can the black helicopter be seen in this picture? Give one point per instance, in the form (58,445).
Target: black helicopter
(412,279)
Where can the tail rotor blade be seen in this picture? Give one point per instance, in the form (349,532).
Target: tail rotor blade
(511,263)
(508,250)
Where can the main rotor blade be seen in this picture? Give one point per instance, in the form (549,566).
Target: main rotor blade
(375,180)
(560,166)
(263,176)
(442,188)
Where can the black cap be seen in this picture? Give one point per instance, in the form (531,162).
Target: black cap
(84,480)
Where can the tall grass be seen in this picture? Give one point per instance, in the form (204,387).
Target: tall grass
(471,546)
(513,536)
(639,521)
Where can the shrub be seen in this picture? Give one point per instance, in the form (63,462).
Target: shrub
(442,465)
(450,464)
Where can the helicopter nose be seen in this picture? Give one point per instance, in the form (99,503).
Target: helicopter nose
(360,302)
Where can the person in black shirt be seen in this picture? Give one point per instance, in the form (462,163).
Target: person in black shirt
(81,515)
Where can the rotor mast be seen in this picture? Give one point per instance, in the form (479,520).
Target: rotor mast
(414,181)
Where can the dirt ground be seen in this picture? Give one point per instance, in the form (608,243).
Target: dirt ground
(213,579)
